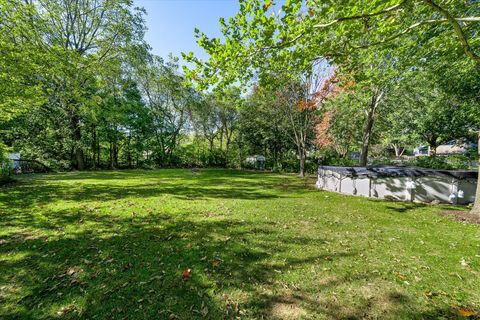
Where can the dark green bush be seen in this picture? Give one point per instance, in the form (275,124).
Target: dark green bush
(451,162)
(334,159)
(6,171)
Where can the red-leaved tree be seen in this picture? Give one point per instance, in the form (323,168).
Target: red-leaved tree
(300,99)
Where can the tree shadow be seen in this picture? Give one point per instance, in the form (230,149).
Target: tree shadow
(132,267)
(84,263)
(104,186)
(404,207)
(393,305)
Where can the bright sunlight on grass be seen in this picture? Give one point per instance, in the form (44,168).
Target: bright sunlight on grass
(173,244)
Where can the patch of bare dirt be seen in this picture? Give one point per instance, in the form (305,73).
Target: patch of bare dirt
(286,305)
(287,309)
(463,216)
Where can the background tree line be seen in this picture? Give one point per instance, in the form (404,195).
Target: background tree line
(81,90)
(407,71)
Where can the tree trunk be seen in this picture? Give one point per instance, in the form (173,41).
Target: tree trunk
(376,97)
(94,147)
(210,157)
(77,140)
(111,155)
(129,156)
(398,150)
(476,205)
(302,155)
(228,141)
(227,151)
(115,150)
(115,153)
(98,153)
(221,138)
(366,135)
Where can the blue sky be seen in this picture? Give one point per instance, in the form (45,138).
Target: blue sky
(171,23)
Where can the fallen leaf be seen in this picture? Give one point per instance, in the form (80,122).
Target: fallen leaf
(186,274)
(400,276)
(73,270)
(465,312)
(65,310)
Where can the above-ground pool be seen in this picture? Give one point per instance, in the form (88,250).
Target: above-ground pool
(401,183)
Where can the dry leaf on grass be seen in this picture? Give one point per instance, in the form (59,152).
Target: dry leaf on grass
(65,310)
(466,313)
(186,274)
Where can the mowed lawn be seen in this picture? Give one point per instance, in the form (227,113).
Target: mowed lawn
(222,244)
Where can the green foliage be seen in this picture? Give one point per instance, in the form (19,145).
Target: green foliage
(264,130)
(451,162)
(5,166)
(6,172)
(331,158)
(97,98)
(434,162)
(56,65)
(261,39)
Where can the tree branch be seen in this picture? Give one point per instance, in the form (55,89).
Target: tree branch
(360,16)
(457,28)
(339,20)
(413,26)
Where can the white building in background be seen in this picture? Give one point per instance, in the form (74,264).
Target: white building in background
(256,161)
(455,147)
(449,148)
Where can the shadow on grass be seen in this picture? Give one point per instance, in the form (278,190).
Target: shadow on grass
(44,189)
(133,267)
(403,207)
(395,305)
(82,264)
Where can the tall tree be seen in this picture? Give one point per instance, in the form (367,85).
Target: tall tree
(228,103)
(81,38)
(168,101)
(298,97)
(258,38)
(262,129)
(20,65)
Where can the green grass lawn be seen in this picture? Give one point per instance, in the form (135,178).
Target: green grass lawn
(116,245)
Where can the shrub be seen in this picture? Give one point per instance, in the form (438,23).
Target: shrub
(6,170)
(451,162)
(334,159)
